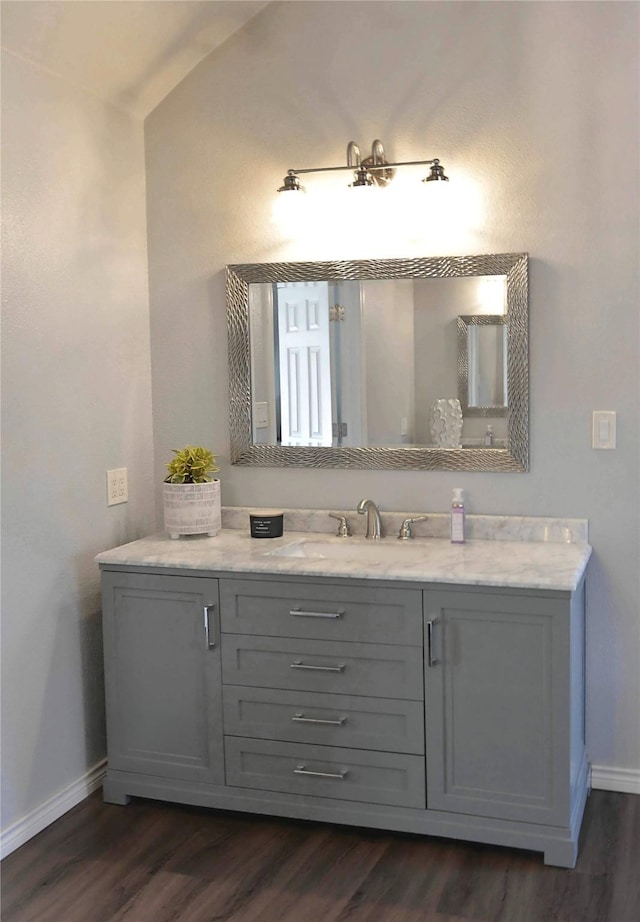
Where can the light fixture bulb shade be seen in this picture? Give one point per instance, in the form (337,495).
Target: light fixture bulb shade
(436,195)
(440,210)
(288,210)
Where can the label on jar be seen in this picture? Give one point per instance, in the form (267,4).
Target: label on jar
(266,526)
(457,526)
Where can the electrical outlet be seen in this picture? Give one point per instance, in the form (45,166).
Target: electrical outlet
(117,486)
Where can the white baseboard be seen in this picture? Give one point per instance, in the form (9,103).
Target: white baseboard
(623,780)
(33,823)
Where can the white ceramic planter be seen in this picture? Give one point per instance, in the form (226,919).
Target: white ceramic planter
(192,508)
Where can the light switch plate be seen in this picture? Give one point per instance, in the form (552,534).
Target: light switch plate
(260,414)
(603,429)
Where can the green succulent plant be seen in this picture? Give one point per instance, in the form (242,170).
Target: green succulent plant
(192,464)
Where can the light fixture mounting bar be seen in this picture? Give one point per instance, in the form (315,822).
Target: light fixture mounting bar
(370,166)
(383,166)
(321,169)
(368,171)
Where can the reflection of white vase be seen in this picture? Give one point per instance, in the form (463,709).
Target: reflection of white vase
(192,508)
(446,423)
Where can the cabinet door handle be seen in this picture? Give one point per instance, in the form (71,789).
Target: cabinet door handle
(298,664)
(300,613)
(301,719)
(339,776)
(431,659)
(207,628)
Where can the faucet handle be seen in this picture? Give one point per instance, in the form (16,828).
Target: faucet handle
(406,531)
(343,525)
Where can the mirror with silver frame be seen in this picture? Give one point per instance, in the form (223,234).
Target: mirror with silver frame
(337,364)
(482,365)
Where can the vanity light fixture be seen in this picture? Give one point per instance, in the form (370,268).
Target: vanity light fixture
(373,170)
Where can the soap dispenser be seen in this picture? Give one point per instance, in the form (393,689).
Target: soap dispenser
(457,517)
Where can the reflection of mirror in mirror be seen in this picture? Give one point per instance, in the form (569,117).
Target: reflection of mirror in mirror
(337,364)
(361,362)
(482,364)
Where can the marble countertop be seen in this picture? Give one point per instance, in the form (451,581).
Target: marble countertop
(517,564)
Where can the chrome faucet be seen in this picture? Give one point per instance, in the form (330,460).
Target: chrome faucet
(374,527)
(343,525)
(406,529)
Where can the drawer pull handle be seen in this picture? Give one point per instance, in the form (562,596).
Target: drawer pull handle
(207,627)
(432,660)
(300,613)
(300,665)
(301,719)
(339,776)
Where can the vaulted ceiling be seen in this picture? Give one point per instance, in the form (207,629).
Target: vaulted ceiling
(131,53)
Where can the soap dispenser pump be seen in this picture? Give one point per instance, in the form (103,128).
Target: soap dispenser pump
(457,517)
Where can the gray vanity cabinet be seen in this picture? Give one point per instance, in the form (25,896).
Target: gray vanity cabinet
(453,711)
(504,712)
(162,676)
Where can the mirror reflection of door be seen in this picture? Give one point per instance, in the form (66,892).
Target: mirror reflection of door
(304,363)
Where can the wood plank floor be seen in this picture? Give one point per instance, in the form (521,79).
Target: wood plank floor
(157,862)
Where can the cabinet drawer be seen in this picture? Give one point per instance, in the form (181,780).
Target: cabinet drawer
(385,724)
(325,612)
(316,665)
(325,771)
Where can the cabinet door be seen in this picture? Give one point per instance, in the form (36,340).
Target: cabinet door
(162,675)
(497,705)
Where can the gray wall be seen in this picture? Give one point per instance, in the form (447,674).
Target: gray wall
(76,401)
(533,108)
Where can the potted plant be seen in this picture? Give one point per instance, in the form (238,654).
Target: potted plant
(191,494)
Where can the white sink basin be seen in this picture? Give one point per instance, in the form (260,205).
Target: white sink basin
(386,550)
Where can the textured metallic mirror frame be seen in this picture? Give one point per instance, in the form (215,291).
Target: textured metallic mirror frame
(513,458)
(464,322)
